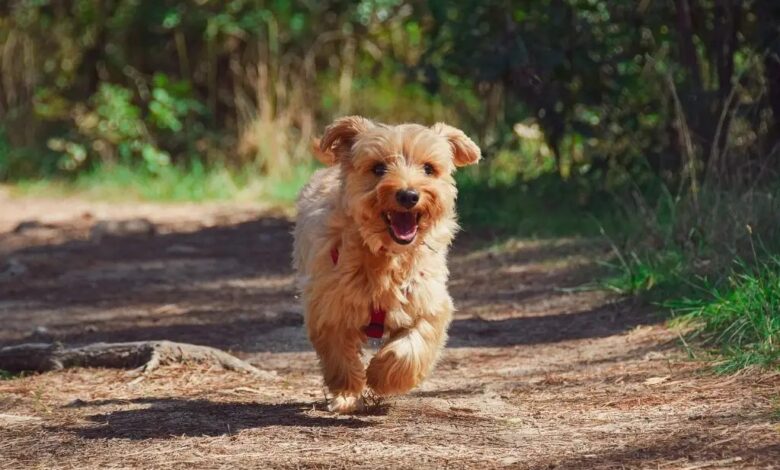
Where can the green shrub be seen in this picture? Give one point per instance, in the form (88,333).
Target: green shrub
(112,128)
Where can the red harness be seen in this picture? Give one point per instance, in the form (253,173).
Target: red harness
(376,325)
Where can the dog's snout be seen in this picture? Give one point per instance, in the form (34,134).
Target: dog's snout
(408,198)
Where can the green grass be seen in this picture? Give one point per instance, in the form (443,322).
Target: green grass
(172,184)
(656,274)
(542,208)
(741,319)
(5,375)
(737,317)
(678,253)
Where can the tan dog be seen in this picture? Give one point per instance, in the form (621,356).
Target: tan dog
(371,244)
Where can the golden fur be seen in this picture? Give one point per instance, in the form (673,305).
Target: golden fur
(346,206)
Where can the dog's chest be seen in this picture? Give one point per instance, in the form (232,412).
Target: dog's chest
(407,295)
(403,288)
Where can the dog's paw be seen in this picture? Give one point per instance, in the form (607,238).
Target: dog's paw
(387,375)
(346,404)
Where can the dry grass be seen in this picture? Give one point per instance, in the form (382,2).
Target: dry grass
(184,416)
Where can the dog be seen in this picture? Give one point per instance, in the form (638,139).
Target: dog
(370,249)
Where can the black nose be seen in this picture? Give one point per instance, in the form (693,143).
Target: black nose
(408,198)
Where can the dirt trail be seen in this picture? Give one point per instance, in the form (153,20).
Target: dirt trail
(537,374)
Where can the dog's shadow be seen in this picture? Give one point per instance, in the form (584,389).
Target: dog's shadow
(149,418)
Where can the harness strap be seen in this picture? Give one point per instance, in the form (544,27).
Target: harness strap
(376,328)
(376,324)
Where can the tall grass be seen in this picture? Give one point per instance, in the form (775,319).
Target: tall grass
(714,264)
(741,318)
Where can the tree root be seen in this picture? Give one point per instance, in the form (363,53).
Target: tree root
(142,356)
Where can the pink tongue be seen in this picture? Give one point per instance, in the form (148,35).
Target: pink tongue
(404,224)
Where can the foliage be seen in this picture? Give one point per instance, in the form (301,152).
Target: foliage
(238,83)
(542,207)
(114,129)
(741,318)
(613,92)
(619,87)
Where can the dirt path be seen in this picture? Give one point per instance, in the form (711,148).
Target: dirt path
(536,375)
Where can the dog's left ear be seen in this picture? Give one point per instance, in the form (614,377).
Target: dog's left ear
(464,150)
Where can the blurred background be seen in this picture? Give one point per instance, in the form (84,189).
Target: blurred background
(218,97)
(655,122)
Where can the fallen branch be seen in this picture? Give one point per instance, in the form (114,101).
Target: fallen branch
(143,356)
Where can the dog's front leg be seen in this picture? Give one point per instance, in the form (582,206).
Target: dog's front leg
(404,361)
(344,373)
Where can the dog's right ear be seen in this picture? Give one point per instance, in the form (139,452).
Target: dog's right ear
(327,158)
(341,134)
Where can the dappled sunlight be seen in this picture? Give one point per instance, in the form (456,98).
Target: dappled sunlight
(615,278)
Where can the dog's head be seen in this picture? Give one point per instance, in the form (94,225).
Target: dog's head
(397,180)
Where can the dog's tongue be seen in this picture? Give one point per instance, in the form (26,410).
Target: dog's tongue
(404,224)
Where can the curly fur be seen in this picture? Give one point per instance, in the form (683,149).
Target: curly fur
(343,207)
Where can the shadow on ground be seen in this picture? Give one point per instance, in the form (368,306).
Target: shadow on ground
(170,417)
(231,287)
(682,450)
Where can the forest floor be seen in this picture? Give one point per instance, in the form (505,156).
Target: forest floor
(537,373)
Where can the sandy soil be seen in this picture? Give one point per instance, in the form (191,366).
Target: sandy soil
(537,374)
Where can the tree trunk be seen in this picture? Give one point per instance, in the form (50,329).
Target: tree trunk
(687,48)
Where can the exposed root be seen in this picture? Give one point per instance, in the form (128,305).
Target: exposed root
(142,356)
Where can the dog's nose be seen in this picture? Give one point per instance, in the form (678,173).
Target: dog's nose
(408,198)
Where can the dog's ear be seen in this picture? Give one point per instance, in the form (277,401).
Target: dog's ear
(326,157)
(464,150)
(340,135)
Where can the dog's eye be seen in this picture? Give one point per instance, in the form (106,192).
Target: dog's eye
(428,169)
(379,169)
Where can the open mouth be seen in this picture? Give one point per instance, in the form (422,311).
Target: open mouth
(402,225)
